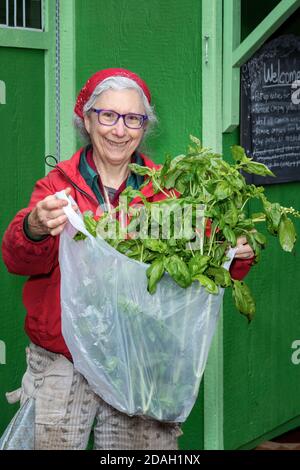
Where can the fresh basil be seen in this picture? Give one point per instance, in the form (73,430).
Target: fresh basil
(199,177)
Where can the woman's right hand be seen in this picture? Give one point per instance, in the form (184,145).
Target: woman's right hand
(48,217)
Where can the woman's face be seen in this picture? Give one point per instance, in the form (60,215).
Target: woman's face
(115,144)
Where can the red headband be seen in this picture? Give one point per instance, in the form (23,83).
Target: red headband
(87,91)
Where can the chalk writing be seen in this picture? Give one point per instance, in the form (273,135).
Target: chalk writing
(270,110)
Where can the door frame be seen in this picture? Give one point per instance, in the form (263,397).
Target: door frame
(57,40)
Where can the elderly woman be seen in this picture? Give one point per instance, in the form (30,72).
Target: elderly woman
(113,113)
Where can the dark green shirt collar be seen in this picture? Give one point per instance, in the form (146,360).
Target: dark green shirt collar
(91,177)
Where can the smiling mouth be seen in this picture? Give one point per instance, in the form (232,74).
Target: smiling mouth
(116,144)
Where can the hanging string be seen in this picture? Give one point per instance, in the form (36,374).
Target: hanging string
(57,77)
(47,157)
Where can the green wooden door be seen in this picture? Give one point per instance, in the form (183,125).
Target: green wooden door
(22,152)
(262,386)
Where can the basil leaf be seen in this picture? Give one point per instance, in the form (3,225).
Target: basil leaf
(182,183)
(287,234)
(273,213)
(231,216)
(258,215)
(165,168)
(260,238)
(154,274)
(208,283)
(257,169)
(90,223)
(238,153)
(125,245)
(133,193)
(175,161)
(178,270)
(171,178)
(221,276)
(155,245)
(229,235)
(220,252)
(140,170)
(243,299)
(195,140)
(222,190)
(198,264)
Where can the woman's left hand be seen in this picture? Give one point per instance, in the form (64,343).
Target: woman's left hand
(244,250)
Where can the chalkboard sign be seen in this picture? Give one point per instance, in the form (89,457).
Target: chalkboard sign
(270,109)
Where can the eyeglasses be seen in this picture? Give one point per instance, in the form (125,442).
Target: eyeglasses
(107,117)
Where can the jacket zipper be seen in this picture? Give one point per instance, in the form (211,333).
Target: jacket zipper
(77,187)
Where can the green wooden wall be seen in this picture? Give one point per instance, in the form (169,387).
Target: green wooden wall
(161,41)
(262,387)
(22,163)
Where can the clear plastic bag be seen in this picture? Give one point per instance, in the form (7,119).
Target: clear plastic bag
(143,354)
(19,434)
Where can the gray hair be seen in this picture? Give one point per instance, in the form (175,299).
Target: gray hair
(114,83)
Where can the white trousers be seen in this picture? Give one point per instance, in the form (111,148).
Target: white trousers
(67,411)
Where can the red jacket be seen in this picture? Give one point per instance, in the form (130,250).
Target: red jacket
(39,260)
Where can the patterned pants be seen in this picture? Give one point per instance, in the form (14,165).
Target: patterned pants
(67,410)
